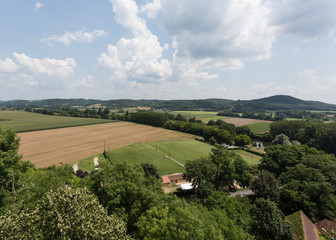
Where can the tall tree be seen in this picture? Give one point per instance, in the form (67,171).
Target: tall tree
(268,222)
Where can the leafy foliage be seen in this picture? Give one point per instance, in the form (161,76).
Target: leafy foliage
(266,186)
(268,221)
(64,214)
(220,169)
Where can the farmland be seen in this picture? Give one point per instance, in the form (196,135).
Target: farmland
(66,145)
(26,121)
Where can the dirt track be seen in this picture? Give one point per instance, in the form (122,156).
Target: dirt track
(66,145)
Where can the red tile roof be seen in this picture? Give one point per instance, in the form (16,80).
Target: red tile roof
(175,176)
(165,179)
(326,224)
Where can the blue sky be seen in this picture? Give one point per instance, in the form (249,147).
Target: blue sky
(168,49)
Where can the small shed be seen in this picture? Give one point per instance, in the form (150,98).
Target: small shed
(186,186)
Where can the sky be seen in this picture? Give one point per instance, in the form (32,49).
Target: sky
(167,49)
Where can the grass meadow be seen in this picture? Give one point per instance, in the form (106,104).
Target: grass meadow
(259,127)
(25,121)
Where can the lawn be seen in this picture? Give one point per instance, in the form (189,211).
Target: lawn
(202,115)
(259,127)
(250,158)
(25,121)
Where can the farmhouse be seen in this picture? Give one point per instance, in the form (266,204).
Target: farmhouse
(176,177)
(172,179)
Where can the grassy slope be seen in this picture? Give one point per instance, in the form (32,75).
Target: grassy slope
(25,121)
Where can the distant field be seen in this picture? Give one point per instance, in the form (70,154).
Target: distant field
(25,121)
(67,145)
(250,158)
(202,115)
(259,127)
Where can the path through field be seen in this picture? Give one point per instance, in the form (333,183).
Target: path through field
(66,145)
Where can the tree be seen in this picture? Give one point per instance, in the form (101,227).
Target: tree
(268,222)
(242,140)
(150,170)
(266,186)
(180,117)
(200,171)
(64,214)
(281,139)
(308,189)
(124,190)
(181,220)
(220,169)
(11,169)
(212,141)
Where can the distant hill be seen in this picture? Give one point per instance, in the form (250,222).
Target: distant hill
(277,102)
(281,102)
(52,103)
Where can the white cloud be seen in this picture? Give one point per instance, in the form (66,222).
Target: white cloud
(308,86)
(80,36)
(38,5)
(46,66)
(139,58)
(221,90)
(8,66)
(223,34)
(314,82)
(85,82)
(151,9)
(307,18)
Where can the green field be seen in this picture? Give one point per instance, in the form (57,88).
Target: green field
(139,153)
(259,127)
(202,115)
(25,121)
(181,151)
(250,158)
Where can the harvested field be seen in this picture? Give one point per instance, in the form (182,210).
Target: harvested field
(65,145)
(244,121)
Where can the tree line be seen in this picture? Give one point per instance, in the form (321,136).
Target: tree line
(313,133)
